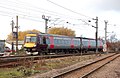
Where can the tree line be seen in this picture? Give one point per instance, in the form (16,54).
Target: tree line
(55,30)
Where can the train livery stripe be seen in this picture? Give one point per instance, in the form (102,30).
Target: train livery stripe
(89,46)
(51,42)
(72,43)
(101,44)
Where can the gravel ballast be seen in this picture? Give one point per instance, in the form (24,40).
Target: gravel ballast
(54,72)
(111,70)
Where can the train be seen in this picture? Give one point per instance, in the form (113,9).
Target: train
(41,43)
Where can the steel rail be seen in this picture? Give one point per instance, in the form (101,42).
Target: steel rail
(60,73)
(11,61)
(84,71)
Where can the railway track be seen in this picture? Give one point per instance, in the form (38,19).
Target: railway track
(80,70)
(12,61)
(86,70)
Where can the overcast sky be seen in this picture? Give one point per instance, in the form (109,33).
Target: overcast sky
(107,5)
(59,12)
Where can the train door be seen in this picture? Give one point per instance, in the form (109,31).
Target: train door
(43,45)
(44,40)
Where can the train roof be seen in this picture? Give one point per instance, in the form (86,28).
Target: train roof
(55,35)
(85,38)
(61,35)
(2,40)
(49,34)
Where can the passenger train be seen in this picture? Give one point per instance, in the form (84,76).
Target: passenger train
(40,43)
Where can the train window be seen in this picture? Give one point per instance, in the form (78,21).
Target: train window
(61,42)
(99,42)
(66,41)
(76,41)
(69,42)
(85,42)
(79,42)
(31,38)
(92,42)
(47,40)
(55,41)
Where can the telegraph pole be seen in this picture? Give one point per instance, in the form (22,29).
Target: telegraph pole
(46,22)
(106,34)
(12,23)
(16,33)
(96,34)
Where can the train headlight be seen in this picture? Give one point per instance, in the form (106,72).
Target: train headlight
(34,46)
(24,45)
(33,49)
(25,49)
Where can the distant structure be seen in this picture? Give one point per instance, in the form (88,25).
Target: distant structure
(9,44)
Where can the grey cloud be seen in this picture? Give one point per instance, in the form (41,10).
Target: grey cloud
(108,5)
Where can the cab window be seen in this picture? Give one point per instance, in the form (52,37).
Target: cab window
(31,39)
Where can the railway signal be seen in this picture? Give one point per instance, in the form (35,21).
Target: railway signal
(46,22)
(96,33)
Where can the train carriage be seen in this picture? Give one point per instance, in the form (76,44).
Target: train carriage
(48,43)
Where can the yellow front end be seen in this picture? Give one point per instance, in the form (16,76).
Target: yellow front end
(30,43)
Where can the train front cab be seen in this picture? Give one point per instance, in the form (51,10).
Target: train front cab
(35,44)
(30,43)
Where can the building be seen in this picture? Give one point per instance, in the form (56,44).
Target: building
(9,44)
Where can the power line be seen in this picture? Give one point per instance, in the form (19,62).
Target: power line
(13,12)
(68,9)
(10,14)
(26,15)
(37,9)
(33,19)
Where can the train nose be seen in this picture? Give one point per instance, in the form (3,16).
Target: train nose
(30,45)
